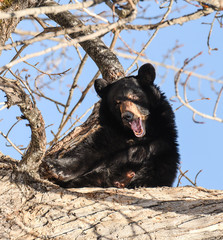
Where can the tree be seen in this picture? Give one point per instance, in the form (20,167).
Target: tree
(81,29)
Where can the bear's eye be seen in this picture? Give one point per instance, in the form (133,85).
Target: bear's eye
(117,102)
(133,98)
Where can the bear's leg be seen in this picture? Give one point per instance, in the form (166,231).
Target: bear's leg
(95,178)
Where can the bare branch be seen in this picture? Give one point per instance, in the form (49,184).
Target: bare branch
(4,105)
(152,37)
(73,86)
(48,9)
(186,104)
(209,35)
(7,26)
(215,4)
(172,67)
(13,145)
(16,96)
(217,102)
(87,43)
(50,33)
(105,59)
(181,20)
(84,93)
(183,174)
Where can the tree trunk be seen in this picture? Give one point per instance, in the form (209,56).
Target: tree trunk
(43,211)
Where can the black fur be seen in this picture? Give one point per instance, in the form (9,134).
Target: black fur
(114,156)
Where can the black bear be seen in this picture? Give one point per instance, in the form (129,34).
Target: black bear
(136,145)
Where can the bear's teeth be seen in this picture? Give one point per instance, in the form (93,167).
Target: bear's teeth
(137,127)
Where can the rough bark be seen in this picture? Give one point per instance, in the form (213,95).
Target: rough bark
(41,211)
(7,26)
(37,147)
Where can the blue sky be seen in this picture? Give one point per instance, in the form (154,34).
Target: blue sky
(200,144)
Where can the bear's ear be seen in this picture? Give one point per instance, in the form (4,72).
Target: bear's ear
(100,85)
(147,73)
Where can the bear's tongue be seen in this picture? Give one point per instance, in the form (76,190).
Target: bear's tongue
(137,128)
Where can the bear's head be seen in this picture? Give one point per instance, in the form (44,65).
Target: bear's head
(128,99)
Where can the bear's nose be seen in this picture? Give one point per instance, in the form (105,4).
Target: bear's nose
(128,116)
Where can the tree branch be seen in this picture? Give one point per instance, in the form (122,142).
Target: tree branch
(48,9)
(181,20)
(7,26)
(37,147)
(215,4)
(172,67)
(185,102)
(152,37)
(105,59)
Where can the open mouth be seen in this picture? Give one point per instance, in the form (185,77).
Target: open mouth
(138,127)
(133,117)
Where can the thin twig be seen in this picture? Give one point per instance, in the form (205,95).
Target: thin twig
(12,144)
(115,37)
(152,37)
(193,118)
(48,9)
(48,74)
(180,177)
(181,20)
(73,41)
(84,93)
(185,87)
(40,94)
(195,180)
(176,81)
(191,101)
(209,35)
(50,33)
(174,68)
(93,14)
(73,86)
(4,105)
(13,127)
(77,120)
(217,102)
(184,175)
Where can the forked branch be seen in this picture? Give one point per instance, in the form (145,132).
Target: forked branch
(185,102)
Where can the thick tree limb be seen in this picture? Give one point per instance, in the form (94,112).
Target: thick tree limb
(94,213)
(37,147)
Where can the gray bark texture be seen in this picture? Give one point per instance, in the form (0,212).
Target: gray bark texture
(8,26)
(43,211)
